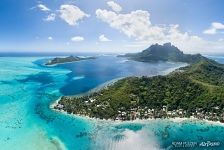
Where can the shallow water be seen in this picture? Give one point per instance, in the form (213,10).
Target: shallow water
(27,88)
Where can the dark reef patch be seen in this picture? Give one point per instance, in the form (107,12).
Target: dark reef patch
(42,77)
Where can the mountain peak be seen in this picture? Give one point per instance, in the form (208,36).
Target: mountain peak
(167,44)
(165,52)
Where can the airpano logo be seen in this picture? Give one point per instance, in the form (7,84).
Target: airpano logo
(209,144)
(191,144)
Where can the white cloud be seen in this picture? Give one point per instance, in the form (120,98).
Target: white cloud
(71,14)
(214,28)
(43,7)
(137,25)
(77,39)
(50,38)
(114,6)
(102,38)
(50,17)
(210,31)
(218,25)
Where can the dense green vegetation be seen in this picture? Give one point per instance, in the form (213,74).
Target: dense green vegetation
(166,52)
(197,86)
(207,71)
(58,60)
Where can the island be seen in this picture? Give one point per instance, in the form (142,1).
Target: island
(196,90)
(68,59)
(165,52)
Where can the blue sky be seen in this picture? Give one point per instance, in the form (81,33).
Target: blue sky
(111,26)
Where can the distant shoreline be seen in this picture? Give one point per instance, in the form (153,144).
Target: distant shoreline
(69,59)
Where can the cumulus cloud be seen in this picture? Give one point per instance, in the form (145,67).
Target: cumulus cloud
(214,28)
(137,25)
(114,6)
(50,17)
(71,14)
(77,39)
(102,38)
(42,7)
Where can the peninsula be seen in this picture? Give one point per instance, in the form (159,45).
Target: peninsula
(68,59)
(193,91)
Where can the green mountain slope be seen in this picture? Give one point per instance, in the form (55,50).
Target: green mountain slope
(207,71)
(165,52)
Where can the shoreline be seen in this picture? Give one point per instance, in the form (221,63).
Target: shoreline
(61,63)
(175,119)
(97,88)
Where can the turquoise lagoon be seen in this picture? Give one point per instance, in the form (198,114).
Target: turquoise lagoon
(27,88)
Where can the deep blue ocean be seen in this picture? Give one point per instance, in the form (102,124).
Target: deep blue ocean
(28,87)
